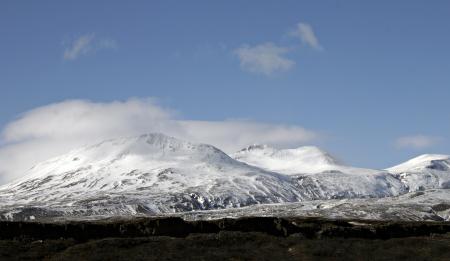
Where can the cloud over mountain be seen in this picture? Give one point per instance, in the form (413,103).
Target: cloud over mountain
(53,129)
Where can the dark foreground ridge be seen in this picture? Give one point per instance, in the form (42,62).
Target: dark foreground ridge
(261,238)
(311,228)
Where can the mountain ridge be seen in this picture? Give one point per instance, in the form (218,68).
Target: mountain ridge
(154,173)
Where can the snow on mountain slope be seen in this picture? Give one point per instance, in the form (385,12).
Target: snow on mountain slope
(429,205)
(336,184)
(156,172)
(308,159)
(424,172)
(321,176)
(302,160)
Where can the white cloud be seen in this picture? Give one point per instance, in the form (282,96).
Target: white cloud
(265,58)
(80,46)
(50,130)
(86,44)
(306,34)
(416,141)
(232,135)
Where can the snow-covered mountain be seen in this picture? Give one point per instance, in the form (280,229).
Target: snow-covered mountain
(153,173)
(307,159)
(321,175)
(424,172)
(156,174)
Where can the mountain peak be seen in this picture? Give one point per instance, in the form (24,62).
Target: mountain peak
(155,139)
(313,151)
(425,161)
(158,138)
(305,159)
(150,144)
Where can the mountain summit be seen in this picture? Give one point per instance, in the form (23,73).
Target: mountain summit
(307,159)
(424,172)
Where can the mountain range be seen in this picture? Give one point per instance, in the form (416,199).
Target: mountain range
(155,174)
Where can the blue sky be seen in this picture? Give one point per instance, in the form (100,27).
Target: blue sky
(374,86)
